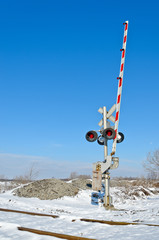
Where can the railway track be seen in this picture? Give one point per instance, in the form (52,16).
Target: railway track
(29,213)
(65,236)
(117,223)
(82,219)
(53,234)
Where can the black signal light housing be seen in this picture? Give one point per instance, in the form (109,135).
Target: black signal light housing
(120,137)
(109,133)
(100,140)
(91,136)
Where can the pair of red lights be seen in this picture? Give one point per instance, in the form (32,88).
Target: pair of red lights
(107,134)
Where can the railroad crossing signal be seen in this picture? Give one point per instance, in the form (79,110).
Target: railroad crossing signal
(108,132)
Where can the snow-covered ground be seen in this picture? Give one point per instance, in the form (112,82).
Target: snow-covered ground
(143,210)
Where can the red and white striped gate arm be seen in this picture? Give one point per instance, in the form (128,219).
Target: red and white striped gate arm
(120,86)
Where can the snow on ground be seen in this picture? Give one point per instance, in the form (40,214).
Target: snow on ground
(145,210)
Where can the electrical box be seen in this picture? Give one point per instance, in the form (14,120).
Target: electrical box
(97,181)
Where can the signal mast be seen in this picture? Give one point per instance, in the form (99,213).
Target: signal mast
(107,132)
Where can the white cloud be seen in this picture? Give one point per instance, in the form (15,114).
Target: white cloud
(56,145)
(127,171)
(12,165)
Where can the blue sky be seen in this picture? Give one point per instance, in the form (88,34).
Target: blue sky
(59,63)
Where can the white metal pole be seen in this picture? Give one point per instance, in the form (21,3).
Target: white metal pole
(107,198)
(105,126)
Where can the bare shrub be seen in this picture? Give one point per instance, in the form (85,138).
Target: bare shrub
(84,176)
(156,184)
(31,175)
(22,179)
(33,172)
(75,175)
(151,164)
(2,177)
(134,182)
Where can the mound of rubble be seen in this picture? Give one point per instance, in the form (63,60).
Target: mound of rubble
(48,189)
(121,194)
(82,183)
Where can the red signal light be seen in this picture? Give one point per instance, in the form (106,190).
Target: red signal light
(108,133)
(91,136)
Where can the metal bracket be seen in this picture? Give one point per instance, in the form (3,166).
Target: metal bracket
(115,163)
(111,163)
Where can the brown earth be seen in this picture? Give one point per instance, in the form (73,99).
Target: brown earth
(49,189)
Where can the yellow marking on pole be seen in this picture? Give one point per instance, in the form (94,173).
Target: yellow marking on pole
(98,167)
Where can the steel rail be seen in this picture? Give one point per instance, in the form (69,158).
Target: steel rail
(117,223)
(82,219)
(53,234)
(30,213)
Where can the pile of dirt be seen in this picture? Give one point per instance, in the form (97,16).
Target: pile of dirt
(49,189)
(82,183)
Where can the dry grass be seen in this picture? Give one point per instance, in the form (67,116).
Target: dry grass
(8,185)
(136,188)
(126,182)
